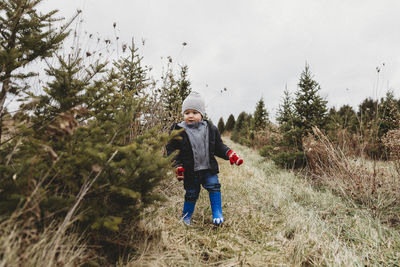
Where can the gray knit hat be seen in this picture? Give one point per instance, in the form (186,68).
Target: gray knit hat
(194,101)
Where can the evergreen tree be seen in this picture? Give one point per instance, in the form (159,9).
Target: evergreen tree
(174,92)
(367,113)
(184,83)
(132,75)
(230,123)
(241,122)
(310,108)
(285,117)
(285,110)
(221,126)
(76,145)
(389,114)
(347,118)
(260,116)
(25,35)
(241,131)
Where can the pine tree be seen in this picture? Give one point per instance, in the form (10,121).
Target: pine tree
(184,83)
(240,134)
(230,123)
(260,116)
(389,114)
(174,92)
(347,118)
(285,117)
(241,121)
(221,126)
(285,113)
(310,108)
(132,75)
(25,35)
(367,113)
(77,137)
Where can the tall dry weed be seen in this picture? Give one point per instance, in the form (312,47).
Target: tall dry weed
(25,242)
(391,141)
(22,244)
(267,137)
(371,184)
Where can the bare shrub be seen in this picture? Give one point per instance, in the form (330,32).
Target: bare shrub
(350,143)
(370,184)
(391,141)
(267,137)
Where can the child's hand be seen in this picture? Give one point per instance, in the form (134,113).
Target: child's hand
(234,158)
(180,173)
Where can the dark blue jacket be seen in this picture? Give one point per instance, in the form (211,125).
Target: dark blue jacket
(185,155)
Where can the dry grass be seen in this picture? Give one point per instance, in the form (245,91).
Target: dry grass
(22,245)
(371,184)
(272,217)
(392,143)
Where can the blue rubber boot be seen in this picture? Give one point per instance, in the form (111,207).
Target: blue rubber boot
(188,208)
(215,200)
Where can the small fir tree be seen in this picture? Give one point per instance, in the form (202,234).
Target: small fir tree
(25,35)
(241,122)
(285,112)
(285,117)
(389,114)
(310,108)
(174,92)
(131,74)
(184,83)
(230,123)
(76,145)
(347,118)
(242,129)
(367,114)
(221,126)
(260,116)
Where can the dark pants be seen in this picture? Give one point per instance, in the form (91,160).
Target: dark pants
(192,184)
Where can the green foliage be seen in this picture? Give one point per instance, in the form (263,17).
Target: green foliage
(290,160)
(230,123)
(389,114)
(285,118)
(260,116)
(310,108)
(221,125)
(25,35)
(376,118)
(367,112)
(242,128)
(84,141)
(174,92)
(347,118)
(131,75)
(266,151)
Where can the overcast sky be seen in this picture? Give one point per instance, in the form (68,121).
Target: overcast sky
(255,48)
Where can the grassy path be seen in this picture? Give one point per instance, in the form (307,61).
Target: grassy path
(273,218)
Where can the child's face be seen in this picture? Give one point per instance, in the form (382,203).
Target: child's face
(191,116)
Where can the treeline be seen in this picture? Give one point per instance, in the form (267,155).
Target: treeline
(85,155)
(356,132)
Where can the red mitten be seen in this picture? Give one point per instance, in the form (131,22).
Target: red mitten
(180,173)
(234,158)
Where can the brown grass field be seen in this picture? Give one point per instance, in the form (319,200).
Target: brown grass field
(273,218)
